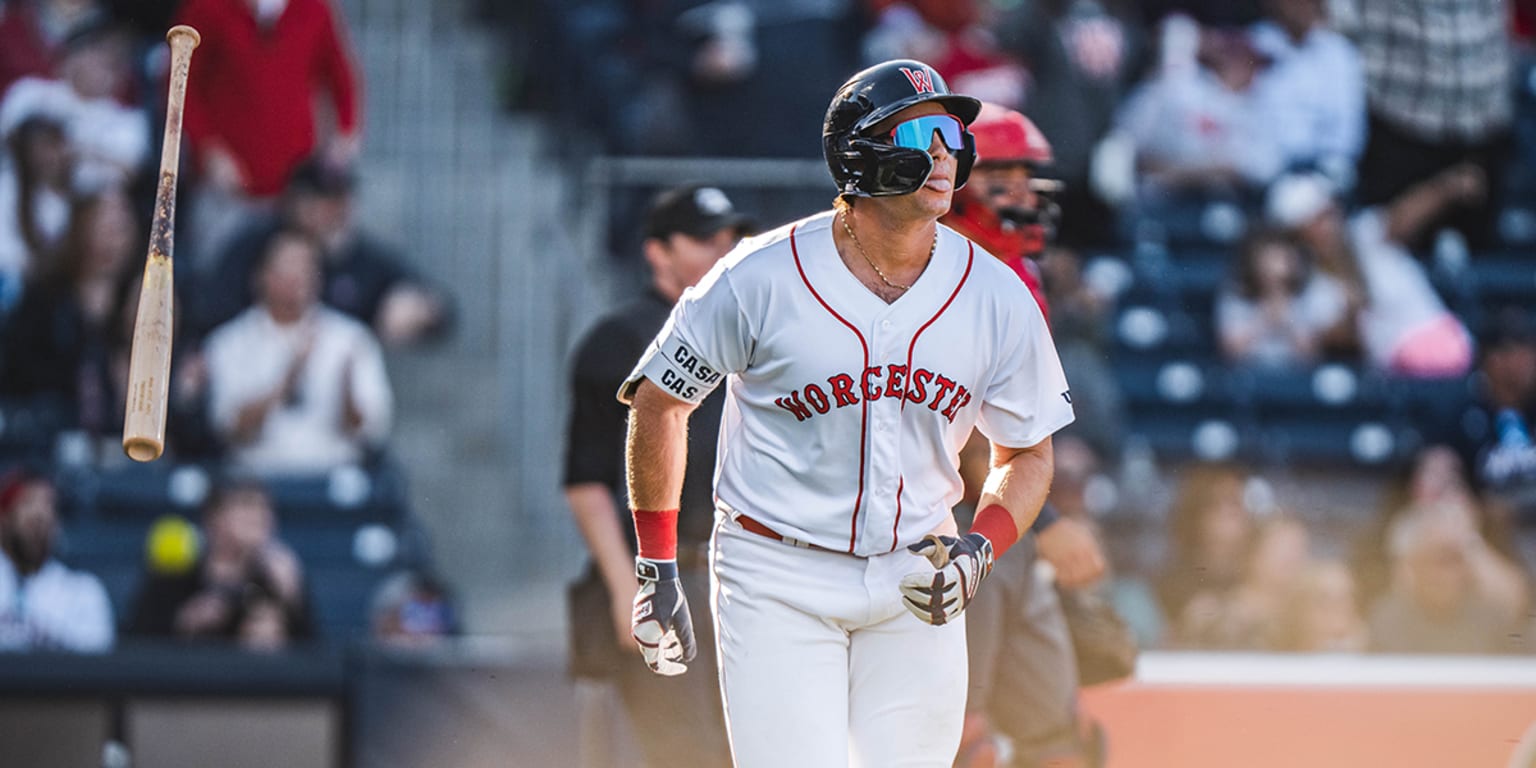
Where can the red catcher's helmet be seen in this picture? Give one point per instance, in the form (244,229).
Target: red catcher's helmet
(1006,136)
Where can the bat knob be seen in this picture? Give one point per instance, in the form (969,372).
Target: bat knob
(182,30)
(142,449)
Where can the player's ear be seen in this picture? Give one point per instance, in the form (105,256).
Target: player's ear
(656,252)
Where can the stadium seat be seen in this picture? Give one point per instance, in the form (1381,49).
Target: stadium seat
(113,551)
(342,598)
(1431,407)
(353,492)
(1504,279)
(133,490)
(29,426)
(1184,407)
(1330,413)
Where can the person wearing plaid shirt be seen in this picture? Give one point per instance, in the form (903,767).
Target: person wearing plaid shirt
(1438,89)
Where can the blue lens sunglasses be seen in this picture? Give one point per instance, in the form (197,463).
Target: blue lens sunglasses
(917,133)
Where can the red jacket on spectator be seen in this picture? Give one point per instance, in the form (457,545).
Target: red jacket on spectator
(252,88)
(1523,20)
(23,50)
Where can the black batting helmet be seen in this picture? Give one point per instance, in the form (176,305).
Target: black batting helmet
(870,166)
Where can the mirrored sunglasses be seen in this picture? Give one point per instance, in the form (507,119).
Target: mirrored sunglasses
(917,133)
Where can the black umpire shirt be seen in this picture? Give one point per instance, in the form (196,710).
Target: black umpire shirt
(595,453)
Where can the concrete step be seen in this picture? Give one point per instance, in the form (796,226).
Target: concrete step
(471,196)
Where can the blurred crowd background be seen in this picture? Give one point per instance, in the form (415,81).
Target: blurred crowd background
(281,407)
(1294,287)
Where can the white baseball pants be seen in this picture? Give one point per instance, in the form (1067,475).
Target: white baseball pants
(822,667)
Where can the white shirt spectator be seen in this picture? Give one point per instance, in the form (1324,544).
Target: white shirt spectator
(53,609)
(1192,120)
(49,209)
(1312,96)
(1317,308)
(247,360)
(111,140)
(1402,301)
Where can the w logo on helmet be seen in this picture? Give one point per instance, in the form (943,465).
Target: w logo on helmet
(921,79)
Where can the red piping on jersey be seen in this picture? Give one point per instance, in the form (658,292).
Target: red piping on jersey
(853,525)
(970,260)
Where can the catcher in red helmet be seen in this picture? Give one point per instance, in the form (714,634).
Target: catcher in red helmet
(1023,673)
(1007,207)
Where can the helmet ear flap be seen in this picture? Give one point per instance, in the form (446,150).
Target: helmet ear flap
(885,170)
(852,166)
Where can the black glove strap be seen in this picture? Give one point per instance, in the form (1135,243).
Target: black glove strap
(655,570)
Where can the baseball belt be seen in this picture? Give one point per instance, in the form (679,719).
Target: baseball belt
(750,524)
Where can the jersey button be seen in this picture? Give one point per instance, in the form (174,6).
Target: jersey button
(885,323)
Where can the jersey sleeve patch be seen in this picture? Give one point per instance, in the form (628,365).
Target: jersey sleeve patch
(676,368)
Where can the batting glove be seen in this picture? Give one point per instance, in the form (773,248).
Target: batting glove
(661,624)
(959,566)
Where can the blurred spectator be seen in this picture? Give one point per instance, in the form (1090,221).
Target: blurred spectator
(108,139)
(1438,480)
(30,34)
(1247,616)
(1081,55)
(1437,603)
(1320,613)
(1403,326)
(363,277)
(34,201)
(1081,490)
(413,609)
(1312,95)
(1195,123)
(1438,93)
(956,35)
(1497,437)
(65,324)
(1211,532)
(756,69)
(1277,312)
(294,386)
(44,605)
(615,67)
(245,586)
(1083,298)
(251,114)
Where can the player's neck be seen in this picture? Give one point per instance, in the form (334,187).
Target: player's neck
(891,239)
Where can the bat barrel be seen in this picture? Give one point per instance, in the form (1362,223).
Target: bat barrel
(149,364)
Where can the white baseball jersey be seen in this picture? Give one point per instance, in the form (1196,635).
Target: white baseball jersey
(845,415)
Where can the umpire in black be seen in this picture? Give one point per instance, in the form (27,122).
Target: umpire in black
(677,720)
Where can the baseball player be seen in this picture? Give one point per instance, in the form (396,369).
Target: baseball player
(858,348)
(1022,670)
(687,230)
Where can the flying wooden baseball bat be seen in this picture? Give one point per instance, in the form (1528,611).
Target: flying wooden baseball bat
(149,365)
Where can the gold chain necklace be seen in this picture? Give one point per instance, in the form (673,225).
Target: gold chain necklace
(855,238)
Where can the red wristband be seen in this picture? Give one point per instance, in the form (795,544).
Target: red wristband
(656,530)
(997,525)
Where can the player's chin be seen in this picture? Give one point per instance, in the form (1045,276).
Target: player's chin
(935,199)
